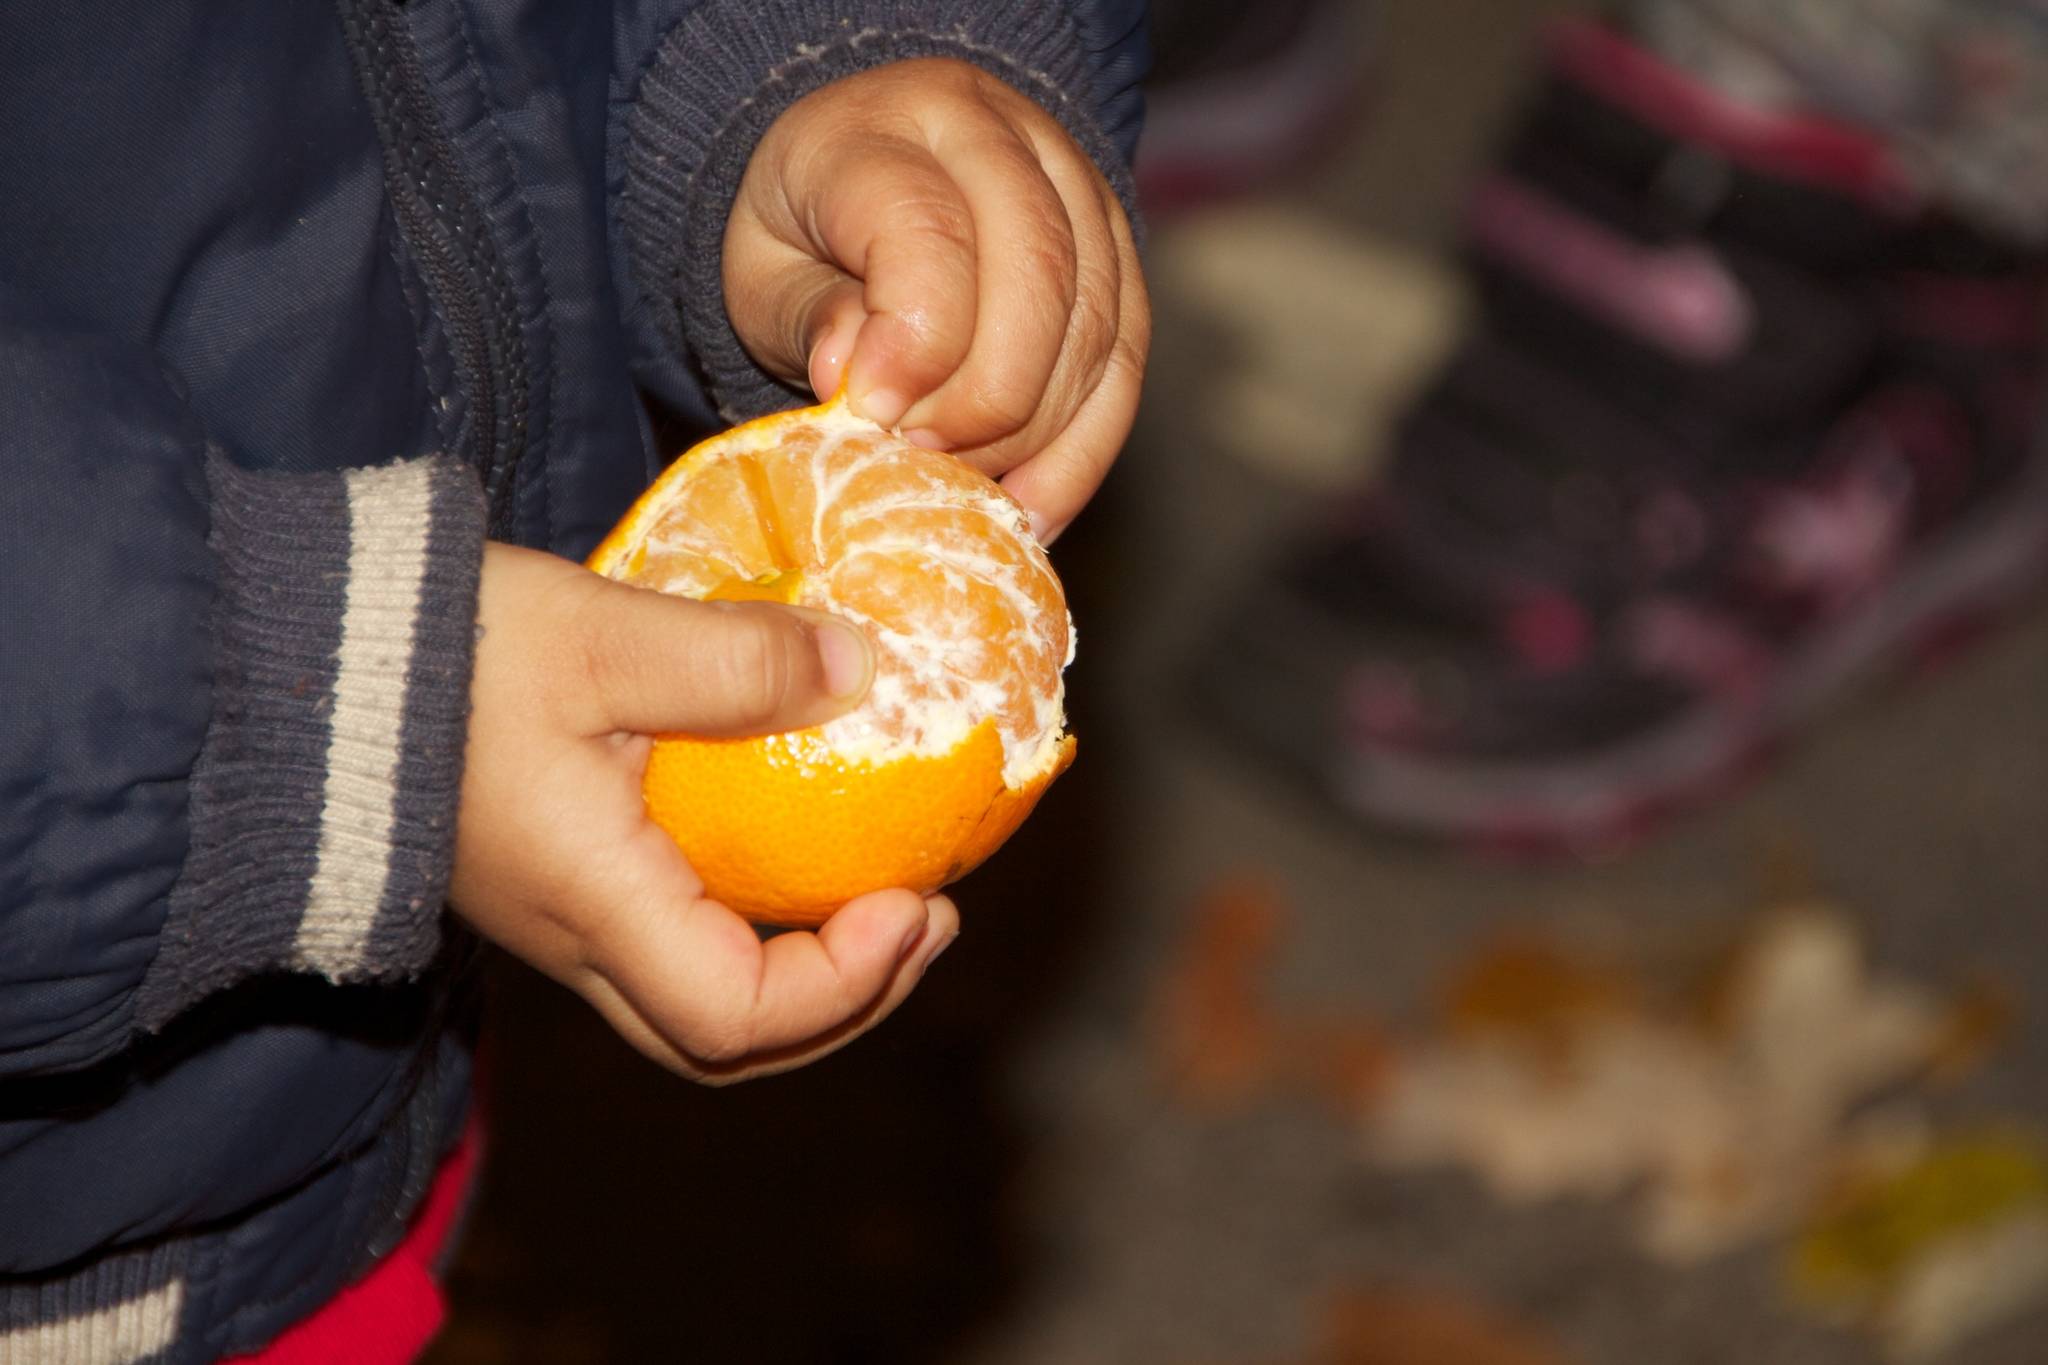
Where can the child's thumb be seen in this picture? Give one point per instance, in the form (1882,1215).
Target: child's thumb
(669,665)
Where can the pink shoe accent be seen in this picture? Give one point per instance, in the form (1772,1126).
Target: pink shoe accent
(1548,632)
(1681,299)
(1680,639)
(1802,147)
(1224,135)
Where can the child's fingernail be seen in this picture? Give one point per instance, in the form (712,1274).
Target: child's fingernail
(929,439)
(844,655)
(827,363)
(883,407)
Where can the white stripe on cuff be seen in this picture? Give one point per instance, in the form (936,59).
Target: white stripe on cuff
(390,515)
(126,1332)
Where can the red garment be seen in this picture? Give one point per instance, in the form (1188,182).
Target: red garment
(389,1316)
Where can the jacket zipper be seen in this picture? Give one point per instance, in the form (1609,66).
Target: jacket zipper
(444,228)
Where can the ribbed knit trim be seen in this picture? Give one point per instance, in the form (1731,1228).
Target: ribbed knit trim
(119,1311)
(729,69)
(323,798)
(196,1295)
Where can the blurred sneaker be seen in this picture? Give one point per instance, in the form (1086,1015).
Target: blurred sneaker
(1743,426)
(1244,92)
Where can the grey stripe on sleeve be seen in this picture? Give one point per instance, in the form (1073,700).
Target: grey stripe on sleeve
(401,706)
(119,1311)
(387,523)
(323,798)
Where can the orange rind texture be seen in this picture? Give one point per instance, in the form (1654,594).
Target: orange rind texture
(964,725)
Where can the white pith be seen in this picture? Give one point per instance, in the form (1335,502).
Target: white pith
(942,653)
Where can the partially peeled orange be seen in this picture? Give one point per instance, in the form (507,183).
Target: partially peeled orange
(964,726)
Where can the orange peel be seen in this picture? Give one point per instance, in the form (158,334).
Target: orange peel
(964,725)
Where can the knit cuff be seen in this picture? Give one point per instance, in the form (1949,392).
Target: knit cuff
(728,70)
(324,796)
(125,1308)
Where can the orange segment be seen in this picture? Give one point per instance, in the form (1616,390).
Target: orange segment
(964,726)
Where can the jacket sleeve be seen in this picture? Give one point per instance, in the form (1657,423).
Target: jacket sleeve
(232,705)
(693,95)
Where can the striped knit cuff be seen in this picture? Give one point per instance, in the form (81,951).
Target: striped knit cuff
(122,1310)
(323,799)
(725,73)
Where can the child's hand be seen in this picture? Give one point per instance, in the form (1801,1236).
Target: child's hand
(934,229)
(557,861)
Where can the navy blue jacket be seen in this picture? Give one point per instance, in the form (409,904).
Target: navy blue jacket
(299,301)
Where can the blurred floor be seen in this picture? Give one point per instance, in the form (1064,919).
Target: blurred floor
(996,1178)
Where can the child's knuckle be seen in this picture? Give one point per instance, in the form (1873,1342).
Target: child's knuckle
(938,221)
(1093,328)
(1000,400)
